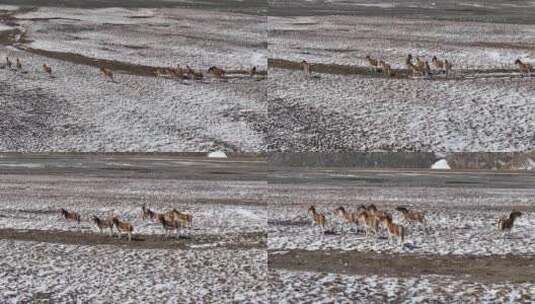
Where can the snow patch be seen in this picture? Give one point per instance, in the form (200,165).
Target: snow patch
(441,165)
(217,154)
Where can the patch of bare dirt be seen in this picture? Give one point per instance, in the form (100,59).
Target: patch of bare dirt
(492,269)
(139,241)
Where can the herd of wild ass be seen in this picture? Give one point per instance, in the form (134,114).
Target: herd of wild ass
(172,220)
(418,68)
(372,219)
(171,72)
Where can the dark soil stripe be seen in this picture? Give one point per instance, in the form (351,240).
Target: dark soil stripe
(491,269)
(139,241)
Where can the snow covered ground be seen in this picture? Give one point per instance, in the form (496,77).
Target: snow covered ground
(156,37)
(359,113)
(44,258)
(348,39)
(78,110)
(310,287)
(461,220)
(57,273)
(218,207)
(486,107)
(81,111)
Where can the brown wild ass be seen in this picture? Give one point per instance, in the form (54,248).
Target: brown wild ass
(373,62)
(103,224)
(447,67)
(369,221)
(413,69)
(107,73)
(387,69)
(147,213)
(525,68)
(318,218)
(47,69)
(123,227)
(194,75)
(218,72)
(169,224)
(185,218)
(394,230)
(71,216)
(505,224)
(349,217)
(307,69)
(411,216)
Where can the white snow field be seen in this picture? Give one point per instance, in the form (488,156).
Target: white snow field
(485,105)
(218,207)
(359,113)
(57,273)
(77,109)
(151,36)
(44,258)
(461,220)
(347,40)
(310,287)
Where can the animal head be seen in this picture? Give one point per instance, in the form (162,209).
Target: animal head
(434,58)
(312,209)
(372,208)
(402,209)
(409,56)
(340,210)
(518,61)
(211,69)
(95,219)
(515,214)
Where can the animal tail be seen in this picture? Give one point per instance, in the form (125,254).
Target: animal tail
(402,234)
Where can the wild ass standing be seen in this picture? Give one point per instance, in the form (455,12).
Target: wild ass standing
(525,68)
(123,227)
(394,230)
(70,216)
(107,73)
(306,69)
(103,224)
(318,218)
(505,224)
